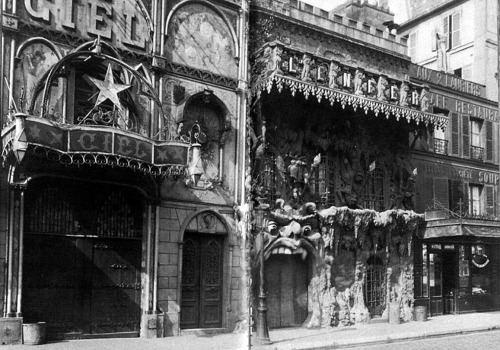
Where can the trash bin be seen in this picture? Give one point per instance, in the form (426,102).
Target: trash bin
(394,313)
(34,333)
(421,313)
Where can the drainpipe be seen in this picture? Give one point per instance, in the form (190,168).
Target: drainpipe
(21,254)
(10,259)
(155,262)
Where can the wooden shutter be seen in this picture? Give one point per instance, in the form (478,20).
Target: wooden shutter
(440,191)
(489,141)
(455,29)
(489,200)
(454,134)
(466,136)
(446,30)
(458,195)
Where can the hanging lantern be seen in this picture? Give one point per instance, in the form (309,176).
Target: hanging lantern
(20,144)
(196,166)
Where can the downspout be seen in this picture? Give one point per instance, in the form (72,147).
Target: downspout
(155,261)
(9,255)
(21,254)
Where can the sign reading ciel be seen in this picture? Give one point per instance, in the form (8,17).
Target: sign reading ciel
(123,22)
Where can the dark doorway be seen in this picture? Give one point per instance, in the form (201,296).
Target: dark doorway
(449,281)
(82,258)
(375,286)
(201,305)
(286,281)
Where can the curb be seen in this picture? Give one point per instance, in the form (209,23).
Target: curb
(378,340)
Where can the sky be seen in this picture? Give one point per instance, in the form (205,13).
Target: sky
(396,6)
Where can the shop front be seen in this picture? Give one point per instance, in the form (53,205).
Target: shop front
(456,267)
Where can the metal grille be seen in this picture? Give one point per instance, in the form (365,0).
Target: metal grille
(374,192)
(375,289)
(441,146)
(322,183)
(63,207)
(477,152)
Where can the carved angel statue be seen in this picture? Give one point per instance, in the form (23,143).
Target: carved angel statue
(276,59)
(403,94)
(306,67)
(358,82)
(425,99)
(332,75)
(382,88)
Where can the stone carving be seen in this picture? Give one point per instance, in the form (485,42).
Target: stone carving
(382,89)
(404,94)
(306,67)
(333,74)
(358,82)
(442,57)
(425,99)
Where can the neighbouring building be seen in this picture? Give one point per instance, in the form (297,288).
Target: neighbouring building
(455,36)
(120,177)
(454,44)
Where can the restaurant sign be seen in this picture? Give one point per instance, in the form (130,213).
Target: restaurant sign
(105,141)
(122,22)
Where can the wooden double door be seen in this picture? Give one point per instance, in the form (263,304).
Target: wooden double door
(202,272)
(82,286)
(286,281)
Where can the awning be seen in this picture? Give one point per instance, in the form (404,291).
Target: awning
(465,227)
(80,144)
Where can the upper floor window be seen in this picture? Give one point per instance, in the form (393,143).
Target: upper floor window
(451,28)
(476,140)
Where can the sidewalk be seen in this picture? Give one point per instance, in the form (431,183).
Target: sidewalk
(379,333)
(296,338)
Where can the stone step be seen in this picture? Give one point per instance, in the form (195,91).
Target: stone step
(203,331)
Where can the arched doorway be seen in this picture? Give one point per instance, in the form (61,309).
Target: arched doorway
(82,257)
(286,281)
(375,286)
(202,273)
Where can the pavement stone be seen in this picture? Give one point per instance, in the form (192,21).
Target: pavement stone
(297,338)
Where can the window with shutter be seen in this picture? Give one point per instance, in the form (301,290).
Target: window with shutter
(466,136)
(451,28)
(489,140)
(454,134)
(440,193)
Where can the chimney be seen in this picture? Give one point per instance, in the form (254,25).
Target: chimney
(374,13)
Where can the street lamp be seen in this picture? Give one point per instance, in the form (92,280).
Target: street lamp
(262,335)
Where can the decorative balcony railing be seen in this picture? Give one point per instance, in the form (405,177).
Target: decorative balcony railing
(477,153)
(340,82)
(441,146)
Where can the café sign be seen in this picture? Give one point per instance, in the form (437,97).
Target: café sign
(123,22)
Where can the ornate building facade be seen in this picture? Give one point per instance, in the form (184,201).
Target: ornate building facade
(349,148)
(120,166)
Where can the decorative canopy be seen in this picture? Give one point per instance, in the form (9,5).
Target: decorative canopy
(348,99)
(78,145)
(281,66)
